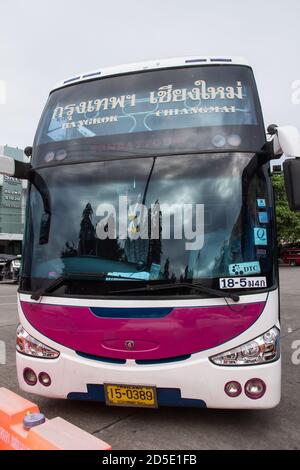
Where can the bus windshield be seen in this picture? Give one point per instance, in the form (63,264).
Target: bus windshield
(166,111)
(206,209)
(151,176)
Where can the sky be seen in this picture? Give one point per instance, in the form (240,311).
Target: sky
(43,42)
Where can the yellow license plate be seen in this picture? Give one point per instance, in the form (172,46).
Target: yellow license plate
(130,395)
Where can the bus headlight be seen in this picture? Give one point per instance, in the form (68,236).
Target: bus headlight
(26,344)
(261,350)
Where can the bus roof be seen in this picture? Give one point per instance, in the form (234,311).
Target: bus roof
(151,65)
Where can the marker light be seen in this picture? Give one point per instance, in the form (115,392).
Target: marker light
(191,61)
(45,379)
(233,389)
(220,60)
(234,140)
(72,79)
(29,376)
(61,155)
(93,74)
(26,344)
(261,350)
(218,140)
(49,157)
(255,388)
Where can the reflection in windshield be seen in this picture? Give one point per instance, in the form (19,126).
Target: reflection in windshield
(227,186)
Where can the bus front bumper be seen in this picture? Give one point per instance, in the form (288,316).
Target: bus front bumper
(192,382)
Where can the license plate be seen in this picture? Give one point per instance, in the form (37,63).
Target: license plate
(130,395)
(243,282)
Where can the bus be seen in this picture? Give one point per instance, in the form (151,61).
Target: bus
(149,270)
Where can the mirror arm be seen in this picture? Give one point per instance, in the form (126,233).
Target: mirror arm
(22,170)
(41,186)
(39,183)
(266,154)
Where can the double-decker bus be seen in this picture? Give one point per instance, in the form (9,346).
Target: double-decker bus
(149,270)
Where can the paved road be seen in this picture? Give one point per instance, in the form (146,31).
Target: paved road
(175,428)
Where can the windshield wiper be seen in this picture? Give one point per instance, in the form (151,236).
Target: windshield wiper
(81,276)
(60,281)
(176,285)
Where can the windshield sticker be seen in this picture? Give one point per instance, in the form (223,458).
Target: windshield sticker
(261,202)
(164,94)
(200,103)
(263,217)
(243,282)
(242,269)
(260,236)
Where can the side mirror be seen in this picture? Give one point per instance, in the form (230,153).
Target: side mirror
(286,140)
(291,170)
(11,167)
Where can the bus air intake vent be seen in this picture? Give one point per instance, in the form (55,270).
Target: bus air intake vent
(110,360)
(166,360)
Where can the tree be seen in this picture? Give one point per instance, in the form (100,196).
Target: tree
(288,222)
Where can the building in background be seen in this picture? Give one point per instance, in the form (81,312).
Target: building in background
(12,207)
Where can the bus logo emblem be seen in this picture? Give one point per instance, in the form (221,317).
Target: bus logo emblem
(129,345)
